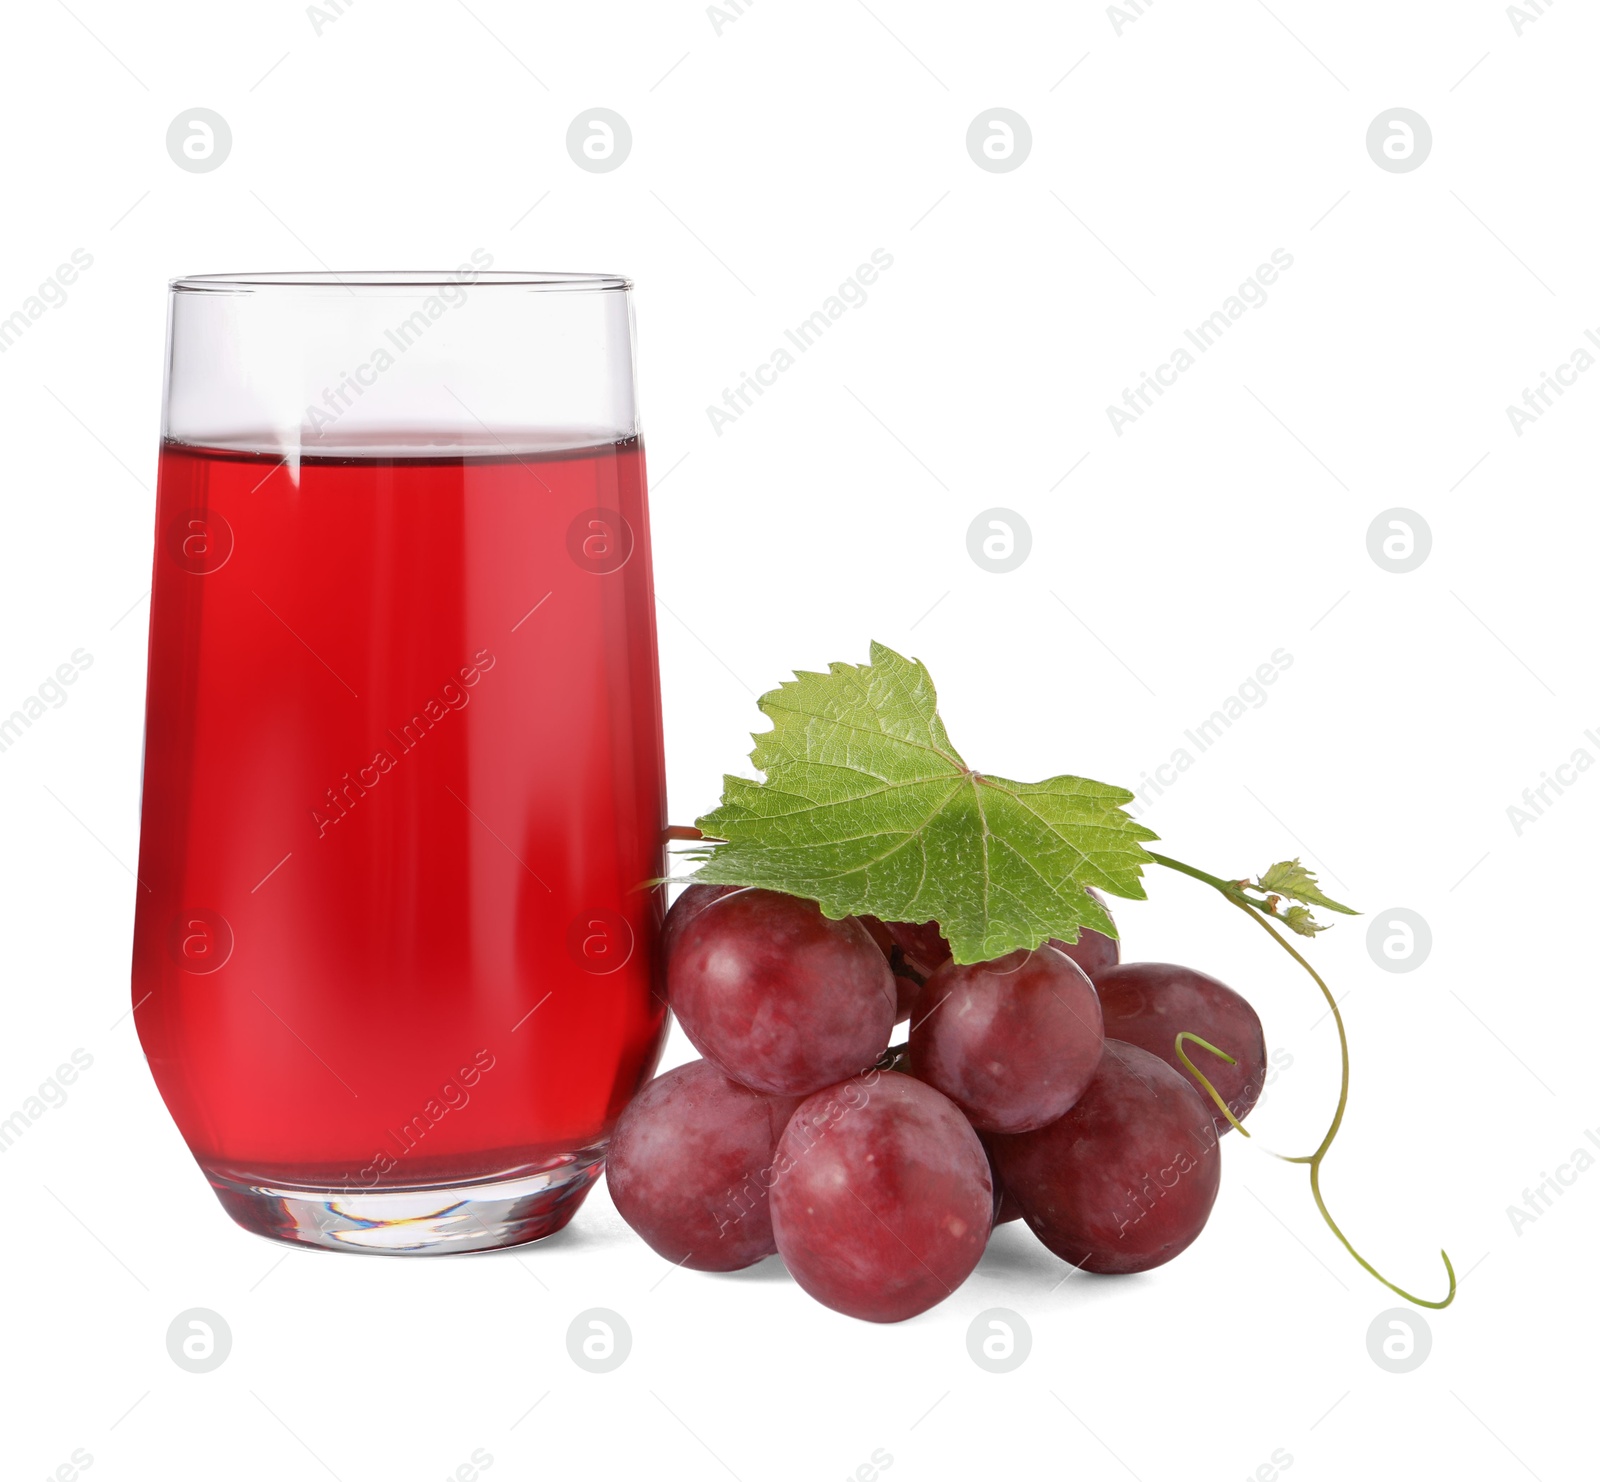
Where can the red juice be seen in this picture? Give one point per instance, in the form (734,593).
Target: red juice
(403,797)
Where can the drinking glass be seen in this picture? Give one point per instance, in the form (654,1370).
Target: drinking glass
(403,793)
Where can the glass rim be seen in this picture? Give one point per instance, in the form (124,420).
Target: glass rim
(388,281)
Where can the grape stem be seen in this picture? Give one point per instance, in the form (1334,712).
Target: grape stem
(1260,911)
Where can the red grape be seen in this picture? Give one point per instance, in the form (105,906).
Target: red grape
(883,1200)
(1094,951)
(907,981)
(1005,1209)
(1149,1003)
(1127,1178)
(1012,1042)
(924,949)
(896,1057)
(881,938)
(689,904)
(907,994)
(690,1164)
(776,995)
(922,942)
(691,901)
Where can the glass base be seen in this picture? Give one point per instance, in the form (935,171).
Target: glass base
(440,1220)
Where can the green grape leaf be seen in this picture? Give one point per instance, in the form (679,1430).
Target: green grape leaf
(868,809)
(1291,878)
(1301,922)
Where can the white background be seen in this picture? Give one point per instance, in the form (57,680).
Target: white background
(1167,563)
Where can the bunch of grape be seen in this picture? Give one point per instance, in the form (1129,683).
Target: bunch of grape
(1045,1085)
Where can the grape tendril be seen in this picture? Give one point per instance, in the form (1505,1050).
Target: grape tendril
(1259,911)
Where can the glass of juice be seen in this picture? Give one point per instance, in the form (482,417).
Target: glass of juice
(403,800)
